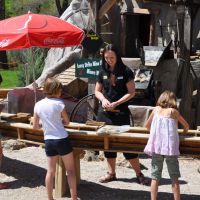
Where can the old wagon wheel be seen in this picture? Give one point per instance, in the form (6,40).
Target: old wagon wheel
(85,109)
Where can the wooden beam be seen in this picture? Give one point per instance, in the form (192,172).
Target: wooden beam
(141,11)
(106,7)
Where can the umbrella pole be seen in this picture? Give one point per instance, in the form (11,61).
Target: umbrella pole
(33,70)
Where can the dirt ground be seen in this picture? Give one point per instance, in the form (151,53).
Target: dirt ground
(24,170)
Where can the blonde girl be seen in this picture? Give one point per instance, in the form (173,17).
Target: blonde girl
(163,143)
(52,114)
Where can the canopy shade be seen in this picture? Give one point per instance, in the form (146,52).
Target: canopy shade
(38,30)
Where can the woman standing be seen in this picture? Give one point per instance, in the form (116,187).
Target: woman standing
(114,88)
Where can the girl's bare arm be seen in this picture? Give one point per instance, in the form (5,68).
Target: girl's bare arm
(36,119)
(149,120)
(65,117)
(180,119)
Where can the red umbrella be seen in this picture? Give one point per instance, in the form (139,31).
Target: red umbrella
(38,30)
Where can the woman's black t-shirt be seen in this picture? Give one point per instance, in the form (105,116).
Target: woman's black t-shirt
(114,93)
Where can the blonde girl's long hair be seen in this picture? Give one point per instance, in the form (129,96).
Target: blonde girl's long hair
(52,87)
(167,100)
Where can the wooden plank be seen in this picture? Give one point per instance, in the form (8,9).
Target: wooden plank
(141,11)
(106,7)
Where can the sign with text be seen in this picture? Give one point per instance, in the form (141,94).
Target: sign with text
(87,68)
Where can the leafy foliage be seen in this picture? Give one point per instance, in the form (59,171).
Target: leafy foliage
(26,70)
(19,7)
(22,57)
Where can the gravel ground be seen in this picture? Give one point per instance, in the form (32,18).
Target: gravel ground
(24,170)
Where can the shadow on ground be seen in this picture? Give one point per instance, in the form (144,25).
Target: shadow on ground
(90,190)
(25,174)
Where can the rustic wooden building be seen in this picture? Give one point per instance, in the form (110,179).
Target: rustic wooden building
(166,29)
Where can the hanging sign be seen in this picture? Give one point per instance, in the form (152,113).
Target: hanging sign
(92,42)
(87,68)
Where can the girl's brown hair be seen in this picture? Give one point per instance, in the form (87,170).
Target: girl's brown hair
(167,100)
(52,87)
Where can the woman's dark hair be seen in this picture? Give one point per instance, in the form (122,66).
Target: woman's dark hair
(119,64)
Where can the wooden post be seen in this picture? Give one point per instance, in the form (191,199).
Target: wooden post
(185,78)
(20,133)
(106,142)
(60,179)
(61,184)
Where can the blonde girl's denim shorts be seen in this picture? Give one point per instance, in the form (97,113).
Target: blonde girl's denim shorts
(157,166)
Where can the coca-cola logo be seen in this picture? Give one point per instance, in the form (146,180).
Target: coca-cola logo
(54,41)
(4,43)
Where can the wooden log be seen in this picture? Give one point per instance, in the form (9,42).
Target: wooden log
(31,142)
(36,138)
(91,140)
(106,7)
(79,126)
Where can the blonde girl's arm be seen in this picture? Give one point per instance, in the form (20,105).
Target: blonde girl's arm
(149,120)
(36,119)
(65,117)
(181,120)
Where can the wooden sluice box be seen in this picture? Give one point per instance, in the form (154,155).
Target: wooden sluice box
(87,137)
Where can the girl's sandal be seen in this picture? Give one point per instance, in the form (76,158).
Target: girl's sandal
(108,178)
(142,180)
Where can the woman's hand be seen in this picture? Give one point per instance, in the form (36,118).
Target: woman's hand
(113,105)
(105,103)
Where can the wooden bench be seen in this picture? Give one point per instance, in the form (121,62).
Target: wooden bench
(81,138)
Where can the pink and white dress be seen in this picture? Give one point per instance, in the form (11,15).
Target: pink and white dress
(163,138)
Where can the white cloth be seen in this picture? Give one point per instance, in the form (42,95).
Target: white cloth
(49,111)
(163,138)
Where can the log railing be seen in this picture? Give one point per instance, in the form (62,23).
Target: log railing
(86,137)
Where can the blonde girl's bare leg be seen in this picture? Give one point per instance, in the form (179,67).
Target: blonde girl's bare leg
(68,161)
(49,180)
(176,189)
(154,189)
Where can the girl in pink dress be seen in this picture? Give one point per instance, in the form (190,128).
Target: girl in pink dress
(163,143)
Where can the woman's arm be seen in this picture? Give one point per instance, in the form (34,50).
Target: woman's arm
(99,95)
(65,117)
(36,119)
(130,94)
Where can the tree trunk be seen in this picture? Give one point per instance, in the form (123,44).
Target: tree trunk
(3,56)
(63,7)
